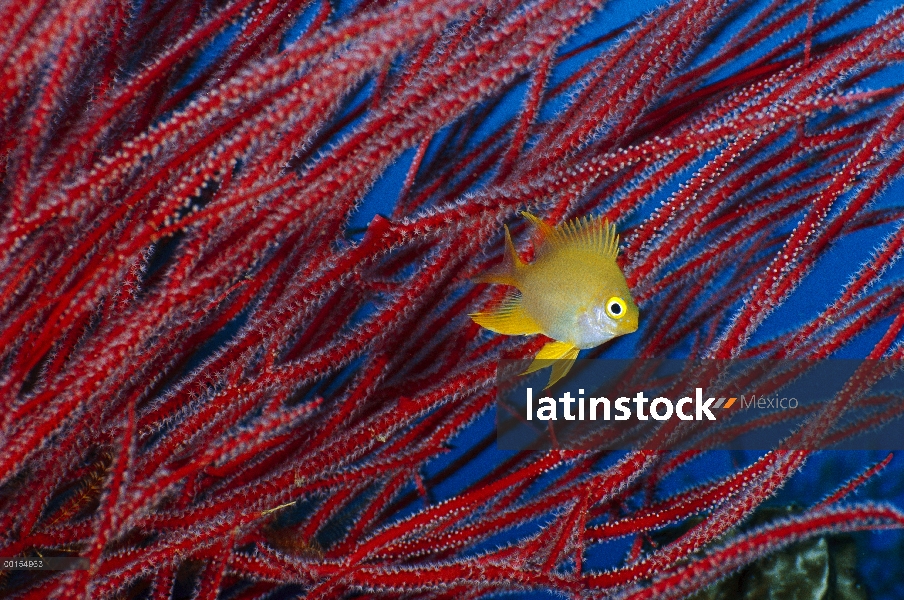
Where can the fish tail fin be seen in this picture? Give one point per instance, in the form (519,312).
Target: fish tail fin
(562,353)
(547,231)
(509,318)
(511,262)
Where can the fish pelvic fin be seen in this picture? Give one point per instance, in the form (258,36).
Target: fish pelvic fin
(559,355)
(595,235)
(509,318)
(511,262)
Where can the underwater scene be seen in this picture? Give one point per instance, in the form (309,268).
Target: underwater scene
(452,299)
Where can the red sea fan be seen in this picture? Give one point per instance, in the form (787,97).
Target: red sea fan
(211,385)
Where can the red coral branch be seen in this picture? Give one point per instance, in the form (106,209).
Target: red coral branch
(212,382)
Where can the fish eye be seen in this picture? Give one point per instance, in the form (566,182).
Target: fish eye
(616,307)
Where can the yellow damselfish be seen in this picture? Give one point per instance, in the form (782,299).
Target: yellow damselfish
(574,292)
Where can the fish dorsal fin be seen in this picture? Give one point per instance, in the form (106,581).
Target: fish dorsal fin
(594,235)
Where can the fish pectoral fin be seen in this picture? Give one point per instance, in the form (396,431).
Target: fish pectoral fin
(509,318)
(562,353)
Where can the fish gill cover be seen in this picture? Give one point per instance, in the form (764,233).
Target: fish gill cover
(238,245)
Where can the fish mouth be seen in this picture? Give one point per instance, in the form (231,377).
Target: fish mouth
(631,323)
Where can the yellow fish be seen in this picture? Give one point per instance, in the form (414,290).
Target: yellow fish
(574,292)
